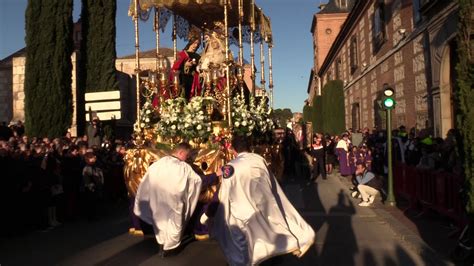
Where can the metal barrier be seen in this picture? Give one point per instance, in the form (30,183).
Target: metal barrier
(430,189)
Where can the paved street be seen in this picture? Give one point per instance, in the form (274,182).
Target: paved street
(346,235)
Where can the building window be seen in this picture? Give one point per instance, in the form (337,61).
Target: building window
(341,3)
(416,11)
(353,54)
(378,27)
(338,68)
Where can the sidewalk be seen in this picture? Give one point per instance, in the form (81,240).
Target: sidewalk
(428,234)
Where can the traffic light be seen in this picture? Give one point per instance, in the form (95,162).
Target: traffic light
(388,101)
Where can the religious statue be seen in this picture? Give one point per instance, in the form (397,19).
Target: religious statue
(185,68)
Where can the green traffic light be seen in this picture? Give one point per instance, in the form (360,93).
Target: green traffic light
(388,102)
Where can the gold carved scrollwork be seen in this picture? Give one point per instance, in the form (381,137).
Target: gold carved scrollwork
(137,162)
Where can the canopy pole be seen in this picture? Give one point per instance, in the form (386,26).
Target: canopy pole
(262,65)
(241,47)
(137,60)
(175,44)
(227,67)
(156,28)
(270,72)
(252,45)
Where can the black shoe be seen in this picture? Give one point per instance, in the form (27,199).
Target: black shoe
(186,239)
(168,253)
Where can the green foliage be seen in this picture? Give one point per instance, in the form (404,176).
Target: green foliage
(282,116)
(307,113)
(465,94)
(333,107)
(49,45)
(98,52)
(317,118)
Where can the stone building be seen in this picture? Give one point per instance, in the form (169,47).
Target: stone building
(12,78)
(6,84)
(409,45)
(325,27)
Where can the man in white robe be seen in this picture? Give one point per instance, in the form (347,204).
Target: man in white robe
(167,197)
(254,220)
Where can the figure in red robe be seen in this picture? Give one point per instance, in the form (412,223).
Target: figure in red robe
(186,63)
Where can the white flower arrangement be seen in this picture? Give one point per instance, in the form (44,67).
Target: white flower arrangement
(261,113)
(242,118)
(197,122)
(187,121)
(148,117)
(252,119)
(172,118)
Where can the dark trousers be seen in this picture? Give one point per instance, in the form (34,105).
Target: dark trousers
(146,228)
(319,168)
(134,220)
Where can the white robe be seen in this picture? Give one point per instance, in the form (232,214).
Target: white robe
(166,199)
(255,220)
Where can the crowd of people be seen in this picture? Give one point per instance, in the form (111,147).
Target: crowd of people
(47,182)
(361,156)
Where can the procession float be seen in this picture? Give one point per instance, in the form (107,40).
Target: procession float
(215,101)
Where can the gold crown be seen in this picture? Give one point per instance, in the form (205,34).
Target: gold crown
(219,27)
(194,33)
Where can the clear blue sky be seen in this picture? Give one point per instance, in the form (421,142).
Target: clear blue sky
(292,53)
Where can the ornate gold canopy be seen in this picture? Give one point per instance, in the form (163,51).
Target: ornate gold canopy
(204,13)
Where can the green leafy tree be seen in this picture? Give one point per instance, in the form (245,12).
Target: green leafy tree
(281,116)
(465,96)
(317,118)
(333,107)
(49,45)
(307,113)
(98,52)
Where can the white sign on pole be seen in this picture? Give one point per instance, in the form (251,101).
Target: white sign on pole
(106,105)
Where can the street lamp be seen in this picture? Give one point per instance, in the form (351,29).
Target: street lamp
(389,104)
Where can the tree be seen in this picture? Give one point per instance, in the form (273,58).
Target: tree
(307,113)
(282,116)
(333,107)
(98,52)
(465,96)
(317,118)
(49,45)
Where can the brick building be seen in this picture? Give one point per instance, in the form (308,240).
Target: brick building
(410,45)
(325,27)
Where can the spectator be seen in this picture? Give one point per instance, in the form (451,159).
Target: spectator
(330,154)
(317,152)
(5,132)
(93,182)
(368,185)
(94,133)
